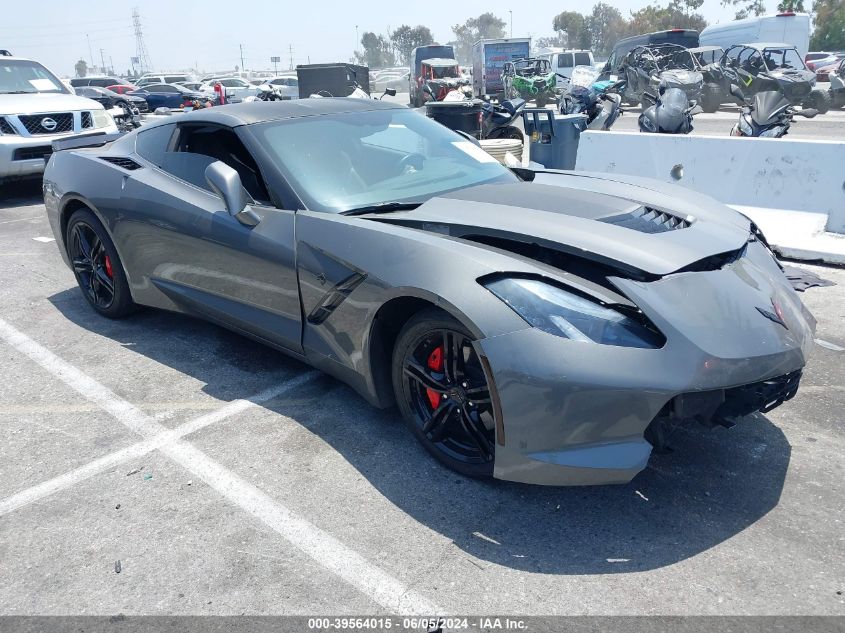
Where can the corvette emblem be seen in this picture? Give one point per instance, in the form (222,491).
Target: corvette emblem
(775,314)
(49,124)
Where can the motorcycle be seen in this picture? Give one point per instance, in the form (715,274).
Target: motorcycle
(670,113)
(768,115)
(497,119)
(601,101)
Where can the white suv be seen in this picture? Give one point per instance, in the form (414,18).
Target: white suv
(36,108)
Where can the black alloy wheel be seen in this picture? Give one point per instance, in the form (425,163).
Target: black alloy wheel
(96,265)
(443,393)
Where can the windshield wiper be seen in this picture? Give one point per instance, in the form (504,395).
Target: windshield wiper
(384,207)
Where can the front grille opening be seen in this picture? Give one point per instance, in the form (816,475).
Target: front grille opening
(87,120)
(122,162)
(52,123)
(32,153)
(648,220)
(6,127)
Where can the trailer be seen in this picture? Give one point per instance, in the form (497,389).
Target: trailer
(488,60)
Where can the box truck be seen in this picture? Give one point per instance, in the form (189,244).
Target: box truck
(488,58)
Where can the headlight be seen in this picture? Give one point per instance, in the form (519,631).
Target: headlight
(102,118)
(646,123)
(745,126)
(562,313)
(774,132)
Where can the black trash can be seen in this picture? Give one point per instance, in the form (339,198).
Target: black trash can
(553,138)
(464,116)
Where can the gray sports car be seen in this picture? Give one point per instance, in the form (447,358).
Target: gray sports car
(536,326)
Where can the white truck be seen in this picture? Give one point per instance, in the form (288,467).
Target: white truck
(488,58)
(564,62)
(36,108)
(784,28)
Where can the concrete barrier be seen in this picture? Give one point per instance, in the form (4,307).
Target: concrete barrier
(774,181)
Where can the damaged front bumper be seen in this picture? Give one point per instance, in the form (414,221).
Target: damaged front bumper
(577,413)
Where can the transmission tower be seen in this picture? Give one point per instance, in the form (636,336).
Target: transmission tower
(141,53)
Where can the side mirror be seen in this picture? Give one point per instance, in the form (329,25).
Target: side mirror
(736,92)
(226,183)
(390,92)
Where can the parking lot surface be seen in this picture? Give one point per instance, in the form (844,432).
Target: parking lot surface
(162,465)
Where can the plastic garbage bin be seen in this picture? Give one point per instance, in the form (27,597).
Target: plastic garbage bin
(457,115)
(553,138)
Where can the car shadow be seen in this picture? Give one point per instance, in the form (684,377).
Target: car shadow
(21,193)
(710,487)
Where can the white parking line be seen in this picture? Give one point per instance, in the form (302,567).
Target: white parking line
(323,548)
(135,451)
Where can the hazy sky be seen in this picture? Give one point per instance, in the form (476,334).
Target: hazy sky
(180,34)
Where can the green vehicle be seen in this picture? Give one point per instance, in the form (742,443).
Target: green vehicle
(531,79)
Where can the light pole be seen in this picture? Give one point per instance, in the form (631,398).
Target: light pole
(356,38)
(511,12)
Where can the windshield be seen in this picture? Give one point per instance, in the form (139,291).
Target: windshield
(584,76)
(27,77)
(444,72)
(337,162)
(783,59)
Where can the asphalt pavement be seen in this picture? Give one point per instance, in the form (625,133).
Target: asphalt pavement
(162,465)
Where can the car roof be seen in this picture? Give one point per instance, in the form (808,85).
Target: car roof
(237,114)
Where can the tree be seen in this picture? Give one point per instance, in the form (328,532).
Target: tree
(794,6)
(485,26)
(606,26)
(377,52)
(575,26)
(829,21)
(749,7)
(405,39)
(81,68)
(678,14)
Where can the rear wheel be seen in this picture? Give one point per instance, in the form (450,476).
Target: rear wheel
(820,100)
(540,101)
(711,97)
(97,266)
(442,392)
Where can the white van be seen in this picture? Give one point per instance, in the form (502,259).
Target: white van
(564,62)
(787,28)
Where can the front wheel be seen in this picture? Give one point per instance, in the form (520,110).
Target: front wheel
(820,100)
(97,266)
(540,101)
(443,394)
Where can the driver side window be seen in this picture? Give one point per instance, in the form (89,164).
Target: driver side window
(199,145)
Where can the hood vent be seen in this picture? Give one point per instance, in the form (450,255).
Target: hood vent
(122,162)
(647,220)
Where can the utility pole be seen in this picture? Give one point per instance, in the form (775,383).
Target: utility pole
(511,12)
(102,62)
(90,54)
(356,38)
(141,53)
(111,65)
(290,49)
(242,56)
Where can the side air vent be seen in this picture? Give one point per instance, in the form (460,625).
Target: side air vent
(6,127)
(646,220)
(122,162)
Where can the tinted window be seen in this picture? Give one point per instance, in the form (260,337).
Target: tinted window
(564,60)
(78,81)
(172,79)
(152,144)
(162,88)
(582,59)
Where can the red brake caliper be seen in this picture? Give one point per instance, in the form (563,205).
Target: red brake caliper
(107,266)
(435,363)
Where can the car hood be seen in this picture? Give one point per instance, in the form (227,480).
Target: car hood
(43,103)
(641,228)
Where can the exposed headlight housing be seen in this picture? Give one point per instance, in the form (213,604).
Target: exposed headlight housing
(745,125)
(564,313)
(101,119)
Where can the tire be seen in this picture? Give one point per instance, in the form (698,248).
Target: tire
(454,423)
(540,101)
(97,266)
(509,131)
(711,98)
(820,100)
